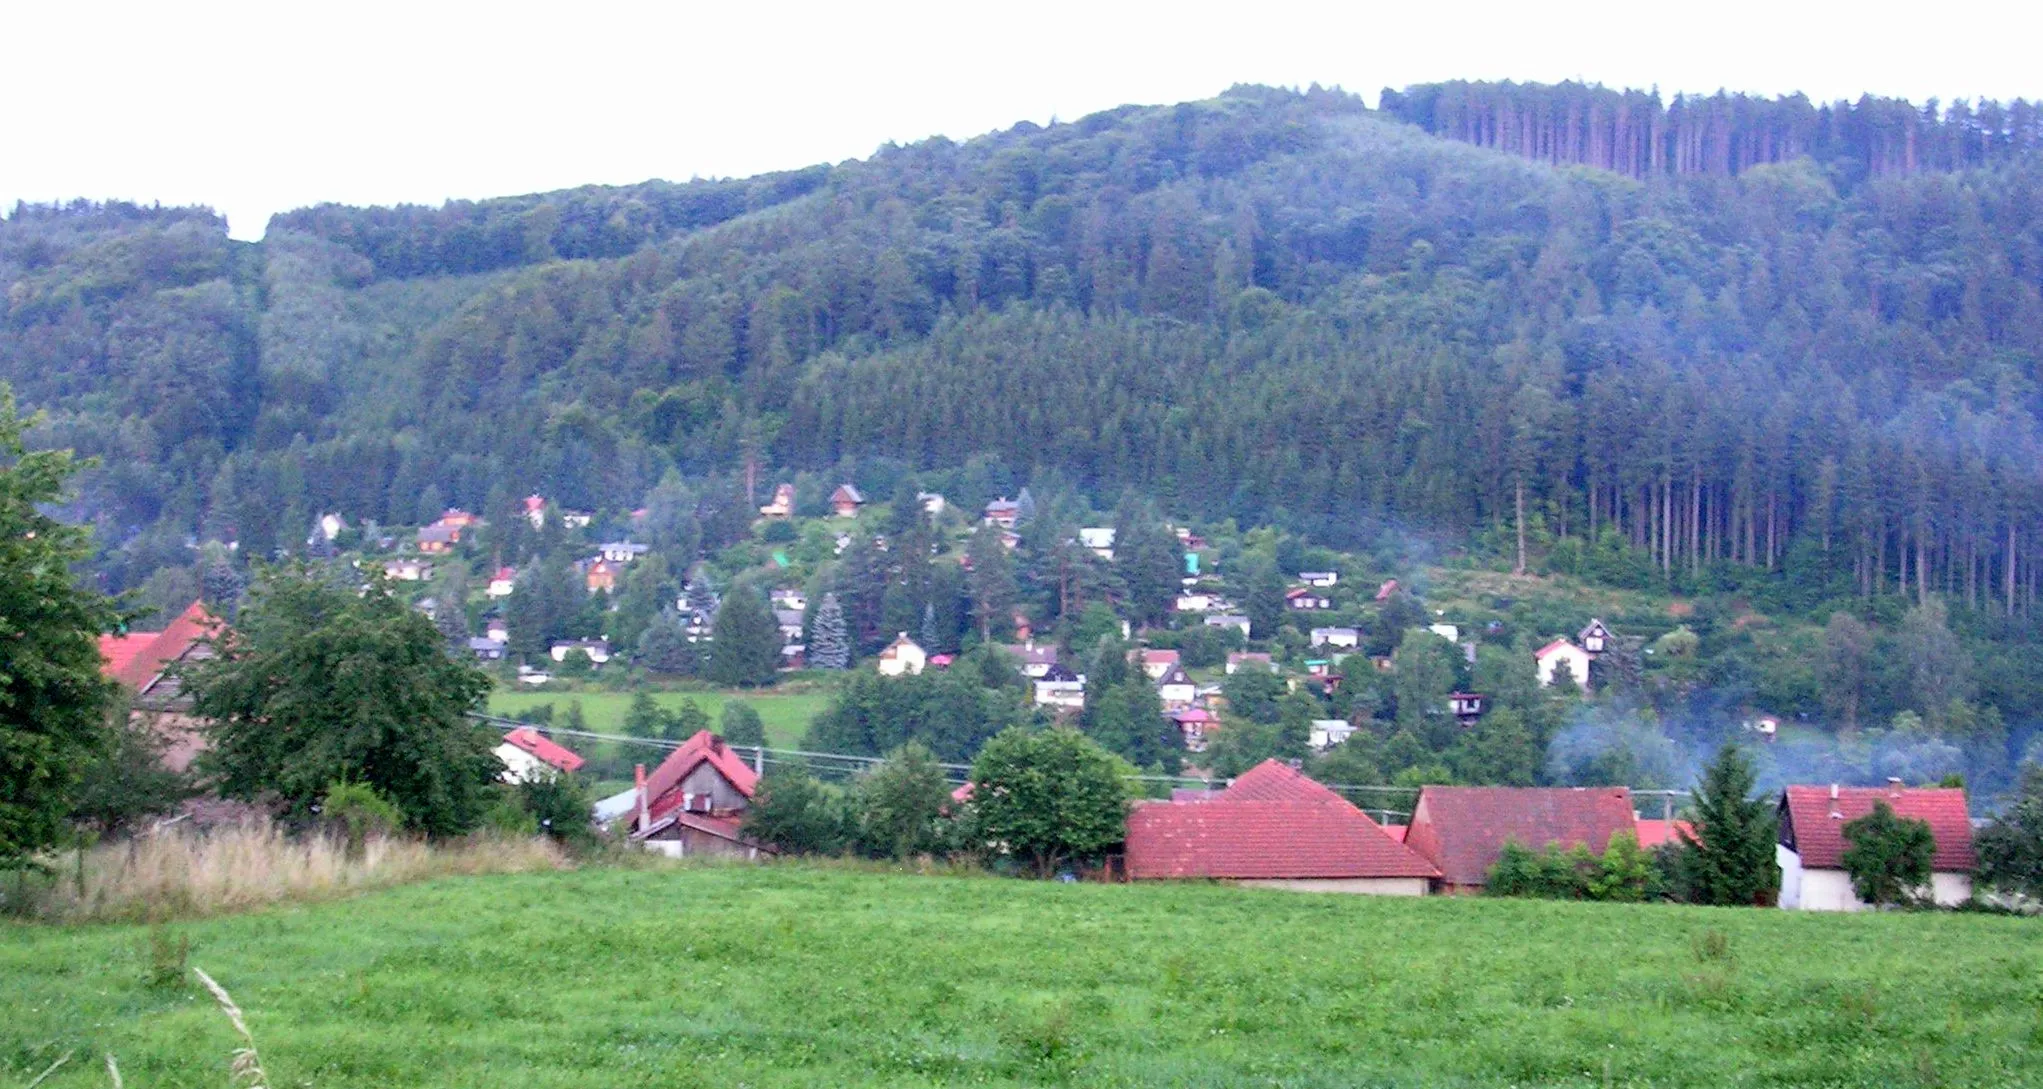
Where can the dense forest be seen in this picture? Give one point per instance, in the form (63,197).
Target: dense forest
(1812,372)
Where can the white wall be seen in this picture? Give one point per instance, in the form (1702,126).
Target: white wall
(1366,886)
(1830,890)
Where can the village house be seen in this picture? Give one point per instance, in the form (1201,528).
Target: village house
(576,519)
(143,664)
(694,803)
(1100,539)
(330,525)
(1155,663)
(1305,598)
(1003,512)
(456,519)
(502,583)
(530,756)
(437,539)
(1325,733)
(903,655)
(601,577)
(598,650)
(1385,590)
(1236,621)
(622,552)
(1463,830)
(1562,661)
(1175,687)
(1342,638)
(1060,688)
(1272,828)
(789,599)
(1466,706)
(1196,601)
(845,501)
(1319,579)
(782,504)
(1032,660)
(932,503)
(486,649)
(535,511)
(1196,725)
(790,621)
(1595,638)
(1249,659)
(407,570)
(1446,631)
(1811,843)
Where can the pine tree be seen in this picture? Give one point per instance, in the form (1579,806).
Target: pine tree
(992,582)
(829,643)
(664,648)
(1731,849)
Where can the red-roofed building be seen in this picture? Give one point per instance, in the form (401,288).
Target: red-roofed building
(1812,844)
(529,755)
(143,663)
(1272,827)
(694,803)
(1654,832)
(1462,830)
(1296,843)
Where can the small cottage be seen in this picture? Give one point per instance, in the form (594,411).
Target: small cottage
(1003,512)
(1340,638)
(503,582)
(1175,687)
(1249,659)
(1562,662)
(902,656)
(1811,842)
(1306,599)
(782,504)
(694,803)
(1236,621)
(530,756)
(1155,663)
(1595,638)
(845,501)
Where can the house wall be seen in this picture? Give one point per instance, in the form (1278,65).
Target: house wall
(679,841)
(1563,665)
(705,779)
(1365,886)
(520,766)
(1830,890)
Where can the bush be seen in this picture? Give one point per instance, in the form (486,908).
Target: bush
(792,813)
(357,812)
(1623,873)
(1888,857)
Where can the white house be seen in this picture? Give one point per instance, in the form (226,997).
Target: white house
(1100,539)
(503,582)
(1562,660)
(1060,688)
(1811,844)
(1328,732)
(932,503)
(789,599)
(1236,621)
(1348,638)
(903,655)
(1194,601)
(1175,688)
(622,552)
(1320,579)
(530,756)
(1154,662)
(408,570)
(1034,661)
(1595,637)
(1303,598)
(1445,631)
(598,650)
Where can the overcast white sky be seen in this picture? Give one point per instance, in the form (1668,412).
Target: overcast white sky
(259,108)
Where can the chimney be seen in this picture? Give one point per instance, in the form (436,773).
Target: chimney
(638,772)
(1836,814)
(1894,786)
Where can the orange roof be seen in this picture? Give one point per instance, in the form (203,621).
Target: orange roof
(1274,839)
(543,748)
(1653,832)
(137,660)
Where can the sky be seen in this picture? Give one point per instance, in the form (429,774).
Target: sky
(254,109)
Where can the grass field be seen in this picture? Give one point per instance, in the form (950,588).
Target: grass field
(794,975)
(786,714)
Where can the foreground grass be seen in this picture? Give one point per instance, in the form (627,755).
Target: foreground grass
(786,715)
(803,976)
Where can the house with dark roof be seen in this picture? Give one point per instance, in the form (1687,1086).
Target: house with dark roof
(1175,687)
(1463,830)
(1272,828)
(845,501)
(145,663)
(1811,843)
(530,756)
(694,803)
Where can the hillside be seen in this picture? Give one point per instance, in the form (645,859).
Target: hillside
(792,975)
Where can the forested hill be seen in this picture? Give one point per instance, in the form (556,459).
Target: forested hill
(1282,307)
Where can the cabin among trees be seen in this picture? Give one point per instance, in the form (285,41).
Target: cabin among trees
(144,664)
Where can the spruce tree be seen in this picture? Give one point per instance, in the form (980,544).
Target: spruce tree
(829,642)
(1731,848)
(992,582)
(745,640)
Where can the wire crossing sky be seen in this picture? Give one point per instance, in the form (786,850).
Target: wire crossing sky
(259,108)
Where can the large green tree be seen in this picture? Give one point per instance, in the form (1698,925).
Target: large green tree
(745,639)
(54,703)
(324,682)
(2011,848)
(1731,844)
(1048,798)
(1888,856)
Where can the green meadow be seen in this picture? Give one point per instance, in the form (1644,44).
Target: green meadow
(828,975)
(785,714)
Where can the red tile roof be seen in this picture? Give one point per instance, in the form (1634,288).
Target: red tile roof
(703,747)
(1274,780)
(1462,830)
(138,659)
(1248,840)
(1653,832)
(1819,836)
(1394,831)
(543,747)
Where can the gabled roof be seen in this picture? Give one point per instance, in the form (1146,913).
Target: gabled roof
(1273,780)
(1462,830)
(1152,656)
(704,747)
(846,493)
(1819,836)
(1174,675)
(137,660)
(1556,645)
(1245,840)
(1653,831)
(542,747)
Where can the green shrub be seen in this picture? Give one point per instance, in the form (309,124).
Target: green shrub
(357,812)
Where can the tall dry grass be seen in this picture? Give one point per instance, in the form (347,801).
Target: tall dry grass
(182,874)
